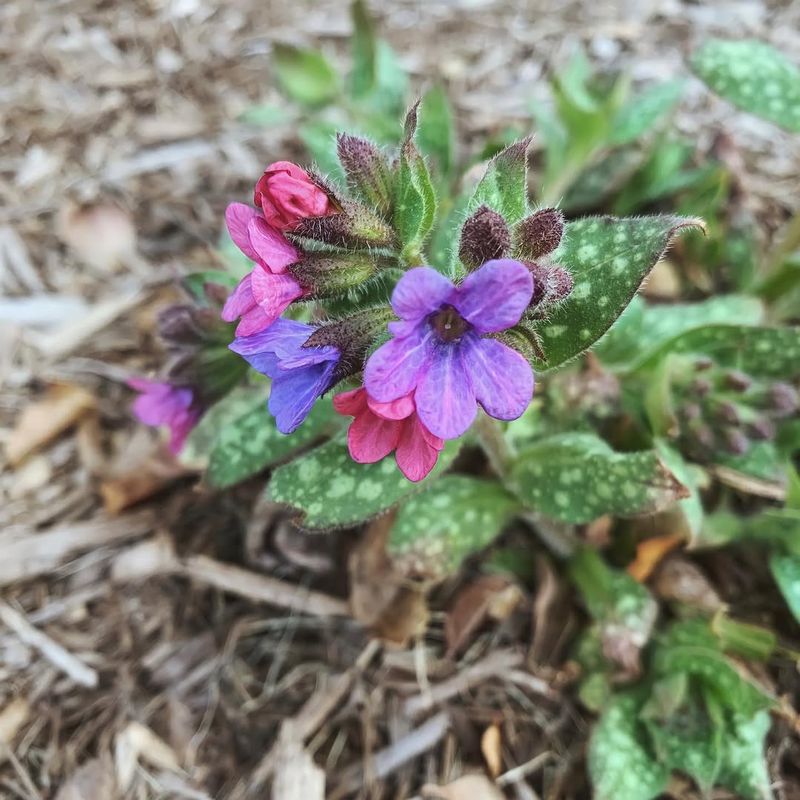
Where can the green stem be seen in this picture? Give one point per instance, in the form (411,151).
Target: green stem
(493,441)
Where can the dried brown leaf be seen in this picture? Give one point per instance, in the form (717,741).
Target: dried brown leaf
(650,553)
(61,407)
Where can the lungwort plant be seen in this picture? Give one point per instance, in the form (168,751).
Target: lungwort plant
(406,340)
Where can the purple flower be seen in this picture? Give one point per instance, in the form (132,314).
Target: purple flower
(299,374)
(440,350)
(165,404)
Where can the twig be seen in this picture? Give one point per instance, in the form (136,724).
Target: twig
(491,666)
(50,649)
(750,485)
(522,771)
(391,758)
(262,588)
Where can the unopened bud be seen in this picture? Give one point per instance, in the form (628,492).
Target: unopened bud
(703,363)
(735,441)
(525,341)
(691,412)
(179,325)
(728,412)
(551,283)
(761,429)
(738,381)
(784,399)
(701,387)
(354,227)
(329,274)
(539,234)
(485,236)
(367,171)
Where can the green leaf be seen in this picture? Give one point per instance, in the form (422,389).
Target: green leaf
(608,258)
(435,134)
(643,328)
(620,766)
(304,74)
(504,185)
(577,477)
(452,519)
(250,442)
(744,768)
(391,85)
(266,115)
(364,46)
(687,474)
(785,568)
(761,461)
(334,491)
(645,111)
(758,351)
(753,76)
(415,198)
(602,179)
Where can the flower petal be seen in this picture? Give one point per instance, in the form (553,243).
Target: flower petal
(240,300)
(274,293)
(420,292)
(416,456)
(494,297)
(391,371)
(295,391)
(371,438)
(271,246)
(398,409)
(238,217)
(444,397)
(254,321)
(351,403)
(501,378)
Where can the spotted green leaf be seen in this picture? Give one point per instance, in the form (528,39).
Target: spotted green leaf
(753,76)
(758,351)
(620,765)
(250,442)
(608,258)
(443,525)
(577,477)
(334,491)
(304,74)
(785,568)
(504,185)
(643,328)
(760,461)
(744,768)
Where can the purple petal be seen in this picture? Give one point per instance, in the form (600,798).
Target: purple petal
(420,292)
(501,378)
(240,300)
(444,397)
(494,297)
(254,321)
(294,393)
(283,338)
(237,218)
(392,370)
(272,248)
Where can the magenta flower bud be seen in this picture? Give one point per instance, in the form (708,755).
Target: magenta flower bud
(164,404)
(701,387)
(367,171)
(784,399)
(286,194)
(485,236)
(539,234)
(354,227)
(324,275)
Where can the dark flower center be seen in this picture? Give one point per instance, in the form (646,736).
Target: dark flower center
(449,325)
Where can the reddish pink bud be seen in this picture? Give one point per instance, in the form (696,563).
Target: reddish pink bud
(286,194)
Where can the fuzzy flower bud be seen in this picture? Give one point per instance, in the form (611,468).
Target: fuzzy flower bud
(784,399)
(329,274)
(353,228)
(286,194)
(366,170)
(551,284)
(485,236)
(735,441)
(539,234)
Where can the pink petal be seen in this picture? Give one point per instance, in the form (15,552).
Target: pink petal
(501,378)
(274,293)
(392,370)
(371,438)
(495,296)
(254,321)
(415,455)
(420,292)
(397,409)
(444,397)
(240,300)
(272,248)
(351,403)
(238,217)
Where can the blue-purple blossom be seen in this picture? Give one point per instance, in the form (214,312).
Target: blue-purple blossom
(441,352)
(299,374)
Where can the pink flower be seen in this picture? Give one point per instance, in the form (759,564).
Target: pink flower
(165,404)
(266,292)
(380,428)
(286,194)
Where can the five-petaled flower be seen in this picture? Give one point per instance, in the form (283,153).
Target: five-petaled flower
(299,374)
(268,290)
(286,194)
(165,404)
(380,428)
(440,350)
